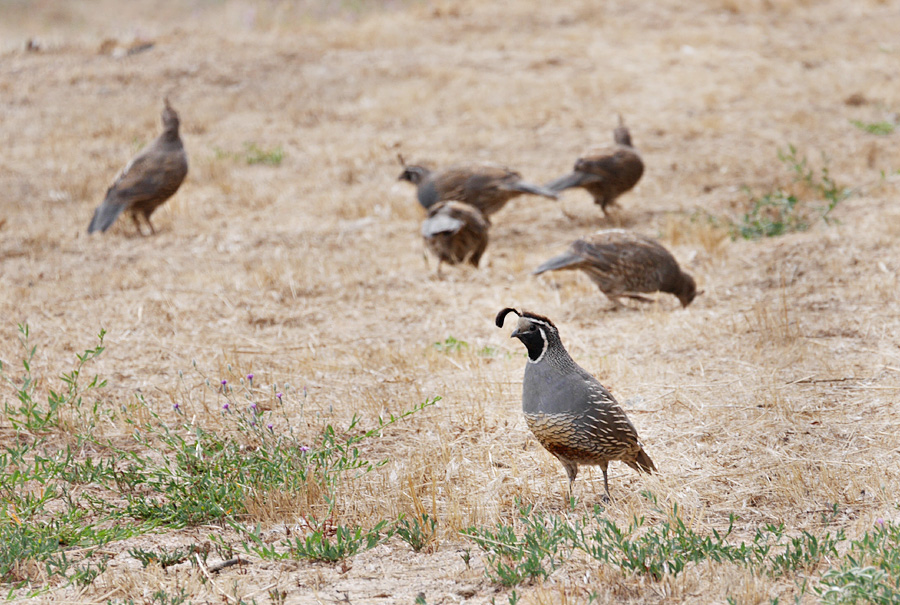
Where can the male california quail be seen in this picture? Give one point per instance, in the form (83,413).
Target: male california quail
(455,233)
(572,415)
(623,263)
(486,186)
(607,173)
(152,177)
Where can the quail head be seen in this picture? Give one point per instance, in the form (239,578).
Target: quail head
(149,179)
(456,233)
(572,415)
(486,186)
(623,263)
(606,173)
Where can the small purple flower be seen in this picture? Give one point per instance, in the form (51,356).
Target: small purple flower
(304,448)
(225,407)
(176,407)
(250,378)
(224,382)
(253,408)
(279,396)
(270,427)
(880,521)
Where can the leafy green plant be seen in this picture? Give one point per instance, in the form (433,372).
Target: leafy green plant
(254,154)
(779,212)
(879,128)
(30,415)
(325,543)
(418,532)
(165,558)
(451,345)
(544,544)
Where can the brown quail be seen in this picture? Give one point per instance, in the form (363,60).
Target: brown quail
(152,177)
(605,174)
(623,263)
(455,233)
(486,186)
(572,415)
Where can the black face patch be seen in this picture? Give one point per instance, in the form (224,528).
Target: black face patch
(533,335)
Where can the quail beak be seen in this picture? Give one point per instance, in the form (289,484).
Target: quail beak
(515,333)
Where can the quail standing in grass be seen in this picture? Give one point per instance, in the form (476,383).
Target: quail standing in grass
(605,174)
(623,263)
(486,186)
(572,415)
(455,233)
(152,177)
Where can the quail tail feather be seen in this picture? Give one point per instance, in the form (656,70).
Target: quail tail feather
(533,189)
(573,179)
(105,215)
(563,261)
(642,463)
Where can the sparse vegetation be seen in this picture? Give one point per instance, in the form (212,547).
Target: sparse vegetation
(254,154)
(782,211)
(767,405)
(879,128)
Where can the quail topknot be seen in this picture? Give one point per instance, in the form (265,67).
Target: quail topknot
(623,263)
(607,173)
(455,233)
(486,186)
(149,179)
(572,415)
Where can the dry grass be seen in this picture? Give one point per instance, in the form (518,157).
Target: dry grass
(771,397)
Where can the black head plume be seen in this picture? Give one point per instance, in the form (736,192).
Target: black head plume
(502,315)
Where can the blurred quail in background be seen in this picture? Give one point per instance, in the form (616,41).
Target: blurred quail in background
(152,177)
(572,415)
(605,174)
(486,186)
(455,233)
(623,263)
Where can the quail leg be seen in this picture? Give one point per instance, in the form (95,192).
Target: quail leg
(152,230)
(572,472)
(137,223)
(606,497)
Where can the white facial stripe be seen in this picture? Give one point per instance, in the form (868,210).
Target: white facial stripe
(544,348)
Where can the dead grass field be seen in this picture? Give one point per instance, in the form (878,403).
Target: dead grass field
(773,397)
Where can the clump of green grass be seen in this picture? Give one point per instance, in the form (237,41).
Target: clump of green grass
(879,128)
(418,531)
(664,549)
(253,154)
(779,212)
(324,543)
(510,560)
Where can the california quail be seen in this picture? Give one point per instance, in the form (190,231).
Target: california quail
(623,263)
(605,174)
(486,186)
(455,233)
(152,177)
(572,415)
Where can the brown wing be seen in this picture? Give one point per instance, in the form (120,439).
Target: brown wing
(621,164)
(634,262)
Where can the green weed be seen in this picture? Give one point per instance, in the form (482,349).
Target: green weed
(325,543)
(879,128)
(779,212)
(418,531)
